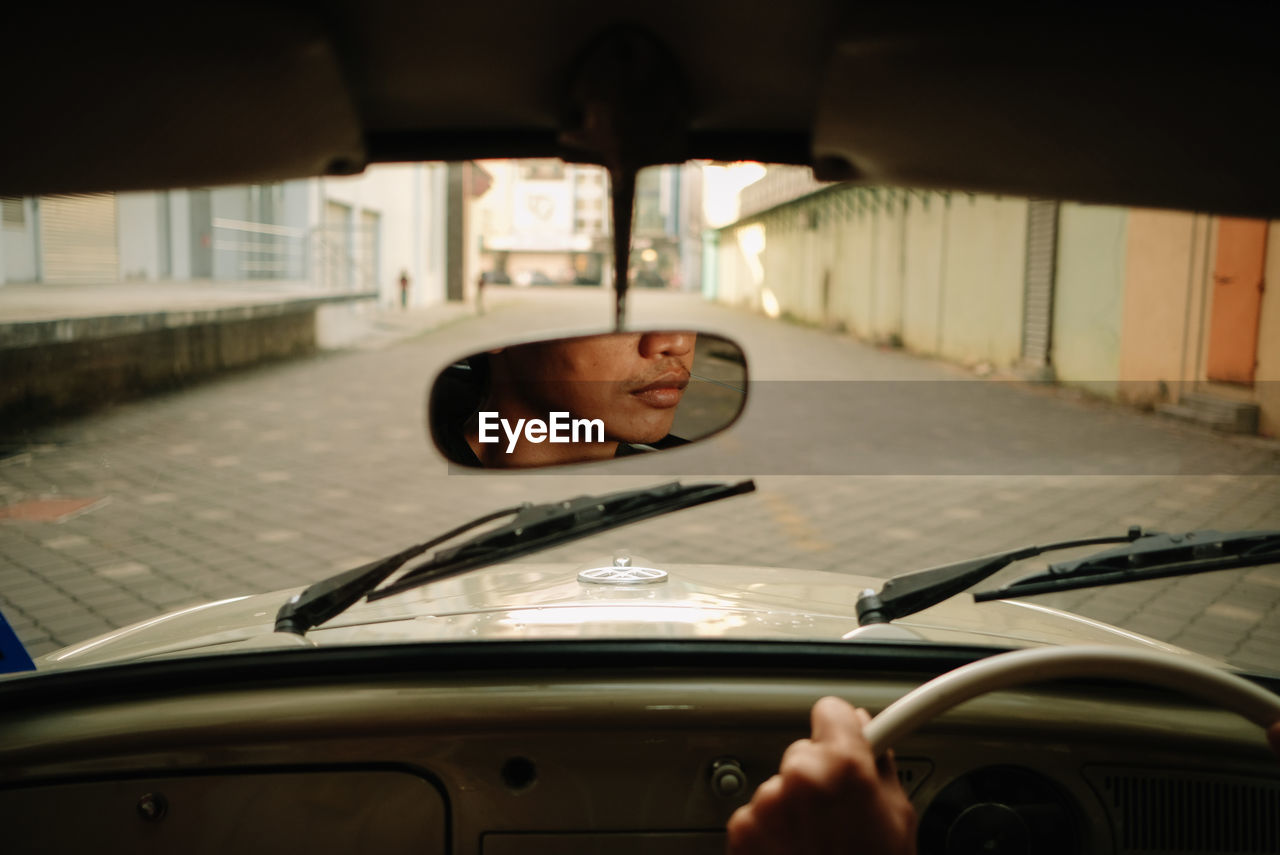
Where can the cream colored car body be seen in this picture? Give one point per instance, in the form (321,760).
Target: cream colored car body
(621,752)
(554,601)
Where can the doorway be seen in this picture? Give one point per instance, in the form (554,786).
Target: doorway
(1237,300)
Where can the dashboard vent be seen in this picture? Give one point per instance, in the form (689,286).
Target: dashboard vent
(1154,811)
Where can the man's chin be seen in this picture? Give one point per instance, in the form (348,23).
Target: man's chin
(645,438)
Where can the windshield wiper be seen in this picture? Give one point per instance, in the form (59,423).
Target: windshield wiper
(1150,555)
(532,528)
(916,591)
(1154,556)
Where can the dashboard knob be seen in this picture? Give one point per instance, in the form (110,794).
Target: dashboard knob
(727,778)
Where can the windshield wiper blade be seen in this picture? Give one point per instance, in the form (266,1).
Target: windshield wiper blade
(538,527)
(330,597)
(1153,556)
(532,528)
(916,591)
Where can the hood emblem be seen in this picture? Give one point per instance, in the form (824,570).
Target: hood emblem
(622,573)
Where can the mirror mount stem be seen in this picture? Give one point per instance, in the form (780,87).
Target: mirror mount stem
(622,182)
(627,107)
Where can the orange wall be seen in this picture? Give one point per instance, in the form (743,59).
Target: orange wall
(1167,293)
(1267,381)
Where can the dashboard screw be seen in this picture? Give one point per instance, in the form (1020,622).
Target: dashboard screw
(152,807)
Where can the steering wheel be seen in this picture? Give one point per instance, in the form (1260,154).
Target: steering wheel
(1037,665)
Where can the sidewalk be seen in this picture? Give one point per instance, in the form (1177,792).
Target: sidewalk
(69,349)
(36,314)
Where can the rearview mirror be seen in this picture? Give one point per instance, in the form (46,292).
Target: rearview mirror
(571,400)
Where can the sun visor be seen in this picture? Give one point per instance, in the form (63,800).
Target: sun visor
(1172,115)
(194,94)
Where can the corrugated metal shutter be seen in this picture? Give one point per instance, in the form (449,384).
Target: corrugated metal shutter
(78,238)
(1042,253)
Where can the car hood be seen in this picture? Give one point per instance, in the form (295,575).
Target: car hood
(564,601)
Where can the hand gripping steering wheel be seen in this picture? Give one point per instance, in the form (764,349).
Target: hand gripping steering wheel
(1037,665)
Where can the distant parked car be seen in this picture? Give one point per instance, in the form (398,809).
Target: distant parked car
(649,279)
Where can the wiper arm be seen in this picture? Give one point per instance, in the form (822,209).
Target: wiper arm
(538,527)
(533,527)
(1153,556)
(916,591)
(329,598)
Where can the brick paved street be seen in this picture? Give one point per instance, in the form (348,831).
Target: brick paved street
(284,474)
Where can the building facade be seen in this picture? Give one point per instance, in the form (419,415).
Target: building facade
(353,234)
(1160,309)
(543,222)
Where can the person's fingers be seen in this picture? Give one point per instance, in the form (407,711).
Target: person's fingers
(813,772)
(767,803)
(887,766)
(823,785)
(745,837)
(797,747)
(834,721)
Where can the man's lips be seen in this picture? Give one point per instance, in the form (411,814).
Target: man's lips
(665,392)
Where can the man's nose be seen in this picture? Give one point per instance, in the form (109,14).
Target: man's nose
(653,345)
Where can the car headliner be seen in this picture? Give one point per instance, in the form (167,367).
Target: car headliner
(1088,102)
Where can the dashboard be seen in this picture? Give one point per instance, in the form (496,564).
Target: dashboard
(506,749)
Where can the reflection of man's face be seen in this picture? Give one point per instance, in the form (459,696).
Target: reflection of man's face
(630,381)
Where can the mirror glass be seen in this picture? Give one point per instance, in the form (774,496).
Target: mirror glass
(572,400)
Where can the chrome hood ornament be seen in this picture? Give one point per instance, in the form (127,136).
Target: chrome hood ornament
(622,573)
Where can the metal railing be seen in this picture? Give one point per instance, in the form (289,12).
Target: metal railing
(334,257)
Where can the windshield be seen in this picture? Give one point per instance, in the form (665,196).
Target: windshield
(215,397)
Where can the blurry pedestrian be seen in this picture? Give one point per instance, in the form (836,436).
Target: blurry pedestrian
(480,293)
(404,289)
